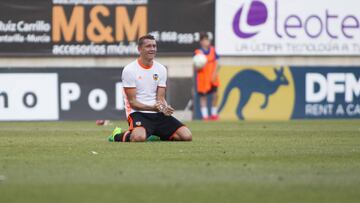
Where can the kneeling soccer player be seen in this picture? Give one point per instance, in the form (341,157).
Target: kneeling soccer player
(144,82)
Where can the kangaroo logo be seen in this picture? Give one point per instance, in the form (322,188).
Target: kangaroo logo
(250,81)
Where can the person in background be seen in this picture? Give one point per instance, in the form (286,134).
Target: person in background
(207,78)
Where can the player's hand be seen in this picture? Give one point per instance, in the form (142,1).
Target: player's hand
(168,110)
(160,107)
(163,108)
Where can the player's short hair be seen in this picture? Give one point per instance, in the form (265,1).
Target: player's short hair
(203,35)
(143,38)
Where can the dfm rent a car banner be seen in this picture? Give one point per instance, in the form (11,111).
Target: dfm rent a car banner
(283,93)
(288,27)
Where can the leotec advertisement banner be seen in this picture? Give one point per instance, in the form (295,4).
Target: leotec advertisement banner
(283,27)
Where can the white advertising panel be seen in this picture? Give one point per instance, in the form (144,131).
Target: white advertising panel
(288,27)
(29,96)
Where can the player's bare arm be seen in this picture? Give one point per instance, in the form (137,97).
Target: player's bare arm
(135,104)
(161,103)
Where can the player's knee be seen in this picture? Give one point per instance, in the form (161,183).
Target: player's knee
(138,135)
(186,134)
(138,138)
(187,137)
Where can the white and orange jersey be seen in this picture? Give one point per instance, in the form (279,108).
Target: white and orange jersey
(146,80)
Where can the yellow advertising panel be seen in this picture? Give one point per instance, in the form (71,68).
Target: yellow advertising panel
(256,93)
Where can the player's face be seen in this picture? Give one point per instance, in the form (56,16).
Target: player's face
(148,49)
(205,43)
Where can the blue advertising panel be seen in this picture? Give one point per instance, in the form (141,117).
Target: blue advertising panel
(284,93)
(327,92)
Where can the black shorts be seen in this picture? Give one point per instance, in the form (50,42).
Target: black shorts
(155,124)
(212,90)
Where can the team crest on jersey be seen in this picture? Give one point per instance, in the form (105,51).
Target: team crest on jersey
(155,77)
(138,123)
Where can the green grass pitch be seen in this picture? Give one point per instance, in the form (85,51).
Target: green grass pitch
(295,161)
